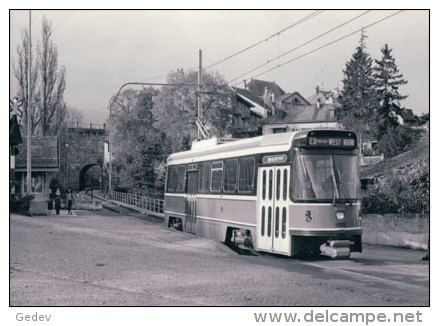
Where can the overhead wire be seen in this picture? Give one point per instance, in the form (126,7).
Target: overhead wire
(325,45)
(306,18)
(299,46)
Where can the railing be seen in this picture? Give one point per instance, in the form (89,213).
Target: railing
(77,125)
(154,206)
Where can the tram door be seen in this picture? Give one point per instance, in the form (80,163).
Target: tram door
(273,199)
(191,201)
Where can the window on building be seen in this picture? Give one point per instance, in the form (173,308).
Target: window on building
(216,177)
(36,183)
(279,130)
(230,175)
(331,114)
(246,174)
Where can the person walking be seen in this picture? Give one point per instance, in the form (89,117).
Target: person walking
(57,201)
(69,201)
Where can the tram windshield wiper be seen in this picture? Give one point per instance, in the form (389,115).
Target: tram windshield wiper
(307,177)
(335,193)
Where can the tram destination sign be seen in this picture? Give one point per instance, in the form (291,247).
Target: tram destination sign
(270,159)
(331,142)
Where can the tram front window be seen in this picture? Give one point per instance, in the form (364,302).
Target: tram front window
(325,177)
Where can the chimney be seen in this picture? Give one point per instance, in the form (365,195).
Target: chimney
(317,90)
(245,83)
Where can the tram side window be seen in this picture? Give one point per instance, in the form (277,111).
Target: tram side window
(204,178)
(216,177)
(181,179)
(172,178)
(230,173)
(246,174)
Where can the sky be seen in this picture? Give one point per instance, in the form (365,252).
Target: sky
(101,50)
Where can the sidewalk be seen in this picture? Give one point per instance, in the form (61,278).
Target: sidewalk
(62,212)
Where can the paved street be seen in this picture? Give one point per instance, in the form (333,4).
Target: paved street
(105,258)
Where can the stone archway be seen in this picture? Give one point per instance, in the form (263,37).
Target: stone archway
(86,179)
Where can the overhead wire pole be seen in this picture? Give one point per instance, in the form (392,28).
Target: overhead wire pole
(29,113)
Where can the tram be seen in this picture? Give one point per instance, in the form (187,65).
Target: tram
(292,194)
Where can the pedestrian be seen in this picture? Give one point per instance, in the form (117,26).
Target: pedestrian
(69,201)
(50,201)
(57,201)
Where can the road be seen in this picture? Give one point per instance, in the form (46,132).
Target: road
(108,259)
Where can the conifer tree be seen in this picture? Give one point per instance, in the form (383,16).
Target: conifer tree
(357,98)
(388,80)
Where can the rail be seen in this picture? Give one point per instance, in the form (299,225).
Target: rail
(153,206)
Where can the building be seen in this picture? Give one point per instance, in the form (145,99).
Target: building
(248,111)
(45,167)
(294,112)
(269,92)
(290,100)
(408,118)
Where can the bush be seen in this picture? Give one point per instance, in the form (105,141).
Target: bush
(405,190)
(20,203)
(397,140)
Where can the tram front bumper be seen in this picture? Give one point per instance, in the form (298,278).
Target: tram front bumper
(339,232)
(332,242)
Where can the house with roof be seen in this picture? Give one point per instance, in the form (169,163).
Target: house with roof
(270,92)
(45,167)
(247,113)
(294,112)
(407,118)
(324,99)
(290,100)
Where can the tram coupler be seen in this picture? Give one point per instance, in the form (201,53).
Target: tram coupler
(336,248)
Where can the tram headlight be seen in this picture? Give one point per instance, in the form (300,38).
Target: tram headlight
(339,216)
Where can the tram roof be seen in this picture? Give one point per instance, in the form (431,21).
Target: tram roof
(211,150)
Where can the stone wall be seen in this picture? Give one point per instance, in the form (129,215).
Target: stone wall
(80,149)
(409,231)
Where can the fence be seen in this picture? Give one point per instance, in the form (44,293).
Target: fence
(154,206)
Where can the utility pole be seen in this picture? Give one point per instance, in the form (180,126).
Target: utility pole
(110,153)
(29,113)
(200,109)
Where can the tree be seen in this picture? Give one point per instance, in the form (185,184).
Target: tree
(388,80)
(21,72)
(149,125)
(138,147)
(47,83)
(357,98)
(175,108)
